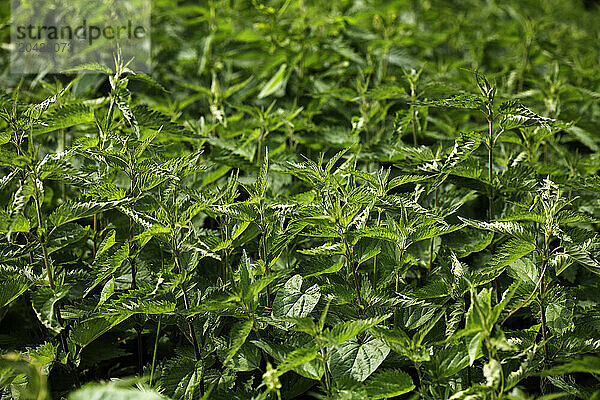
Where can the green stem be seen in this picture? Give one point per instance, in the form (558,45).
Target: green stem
(191,329)
(326,377)
(154,353)
(491,164)
(63,148)
(375,258)
(396,307)
(543,317)
(49,272)
(94,236)
(431,241)
(413,98)
(267,266)
(419,377)
(353,269)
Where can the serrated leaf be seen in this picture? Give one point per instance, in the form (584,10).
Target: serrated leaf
(388,383)
(357,360)
(274,84)
(292,301)
(237,337)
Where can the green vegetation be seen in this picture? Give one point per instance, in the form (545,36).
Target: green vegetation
(309,199)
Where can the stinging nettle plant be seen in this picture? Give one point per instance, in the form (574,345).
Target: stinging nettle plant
(314,202)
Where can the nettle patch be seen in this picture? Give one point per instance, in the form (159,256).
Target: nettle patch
(286,234)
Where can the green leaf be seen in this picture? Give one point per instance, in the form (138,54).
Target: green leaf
(463,101)
(44,304)
(90,67)
(71,211)
(11,288)
(514,249)
(15,367)
(65,235)
(112,391)
(357,360)
(85,332)
(292,301)
(275,83)
(181,377)
(107,263)
(347,330)
(296,358)
(474,346)
(237,337)
(388,383)
(64,117)
(587,364)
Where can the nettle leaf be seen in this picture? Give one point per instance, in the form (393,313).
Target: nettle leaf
(72,211)
(247,358)
(388,383)
(449,361)
(468,240)
(107,263)
(296,358)
(65,235)
(85,332)
(357,360)
(587,364)
(237,337)
(275,83)
(90,67)
(327,249)
(11,288)
(347,330)
(461,101)
(519,115)
(300,360)
(580,254)
(511,251)
(112,391)
(466,143)
(65,116)
(44,302)
(13,223)
(45,355)
(292,301)
(181,377)
(559,313)
(517,230)
(401,343)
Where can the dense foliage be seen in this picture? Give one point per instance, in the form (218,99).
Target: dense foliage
(329,199)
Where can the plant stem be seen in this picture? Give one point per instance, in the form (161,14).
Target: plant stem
(375,258)
(94,236)
(186,304)
(413,98)
(431,241)
(267,267)
(353,269)
(154,353)
(326,377)
(396,307)
(419,377)
(356,286)
(63,148)
(49,272)
(543,316)
(132,259)
(490,165)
